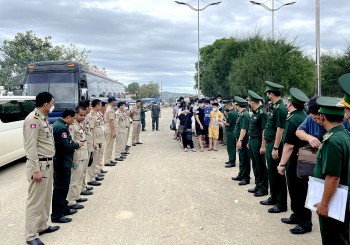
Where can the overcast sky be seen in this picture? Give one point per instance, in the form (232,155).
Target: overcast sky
(144,40)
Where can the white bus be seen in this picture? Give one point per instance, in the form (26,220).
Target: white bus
(13,111)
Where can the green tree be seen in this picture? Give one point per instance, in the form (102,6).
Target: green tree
(133,87)
(150,90)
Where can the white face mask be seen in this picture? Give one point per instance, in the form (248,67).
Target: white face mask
(215,109)
(52,108)
(219,100)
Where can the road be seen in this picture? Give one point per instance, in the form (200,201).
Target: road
(158,195)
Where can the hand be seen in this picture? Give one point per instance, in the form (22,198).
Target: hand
(81,144)
(239,145)
(114,135)
(202,128)
(321,210)
(262,150)
(37,176)
(74,160)
(281,169)
(95,146)
(314,142)
(275,154)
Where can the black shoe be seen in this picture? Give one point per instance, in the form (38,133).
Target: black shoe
(276,210)
(237,178)
(144,130)
(253,190)
(138,143)
(267,202)
(49,229)
(76,206)
(244,182)
(260,193)
(103,171)
(86,193)
(94,183)
(119,159)
(99,178)
(157,129)
(125,152)
(298,230)
(81,200)
(230,165)
(128,146)
(109,164)
(70,211)
(36,241)
(289,221)
(227,162)
(133,144)
(89,188)
(61,220)
(100,175)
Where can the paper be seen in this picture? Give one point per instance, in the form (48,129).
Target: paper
(337,205)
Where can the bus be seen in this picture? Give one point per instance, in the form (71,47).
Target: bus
(69,82)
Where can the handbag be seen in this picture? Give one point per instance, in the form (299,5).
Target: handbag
(172,125)
(182,128)
(306,162)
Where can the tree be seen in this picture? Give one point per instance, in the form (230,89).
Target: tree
(133,87)
(150,90)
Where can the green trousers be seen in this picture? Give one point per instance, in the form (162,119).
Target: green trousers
(231,146)
(259,165)
(155,123)
(333,231)
(278,186)
(244,162)
(143,122)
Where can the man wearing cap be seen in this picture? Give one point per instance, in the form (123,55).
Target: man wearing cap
(273,136)
(230,124)
(332,165)
(120,124)
(143,117)
(136,123)
(297,187)
(241,135)
(257,144)
(109,118)
(155,114)
(344,83)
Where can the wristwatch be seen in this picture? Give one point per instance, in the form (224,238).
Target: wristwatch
(275,148)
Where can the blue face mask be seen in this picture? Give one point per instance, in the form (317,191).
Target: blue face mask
(186,111)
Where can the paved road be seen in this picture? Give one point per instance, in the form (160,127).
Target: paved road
(159,195)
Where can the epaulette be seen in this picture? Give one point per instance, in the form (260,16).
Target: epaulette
(289,116)
(327,136)
(277,106)
(261,111)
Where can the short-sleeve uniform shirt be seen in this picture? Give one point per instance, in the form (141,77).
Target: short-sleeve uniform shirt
(276,119)
(243,122)
(257,123)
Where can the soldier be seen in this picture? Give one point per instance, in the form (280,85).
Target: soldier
(143,117)
(230,125)
(155,114)
(257,144)
(101,112)
(39,147)
(136,124)
(120,124)
(128,126)
(332,165)
(273,136)
(109,118)
(62,162)
(288,164)
(241,135)
(80,159)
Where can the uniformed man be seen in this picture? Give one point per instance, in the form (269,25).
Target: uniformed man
(109,118)
(136,123)
(62,161)
(273,136)
(39,147)
(332,165)
(230,124)
(289,160)
(241,135)
(128,126)
(257,144)
(143,117)
(120,124)
(80,159)
(101,112)
(155,114)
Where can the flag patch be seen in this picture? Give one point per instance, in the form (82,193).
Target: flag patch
(64,135)
(32,125)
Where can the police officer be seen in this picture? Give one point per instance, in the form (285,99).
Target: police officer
(257,144)
(128,126)
(273,136)
(230,124)
(155,114)
(136,123)
(63,159)
(143,117)
(39,147)
(80,159)
(120,124)
(100,171)
(332,165)
(288,163)
(241,135)
(109,118)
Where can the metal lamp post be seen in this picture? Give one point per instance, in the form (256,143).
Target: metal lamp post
(272,10)
(198,10)
(318,48)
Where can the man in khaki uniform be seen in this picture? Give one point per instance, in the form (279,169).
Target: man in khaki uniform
(39,147)
(80,159)
(136,123)
(128,126)
(101,112)
(109,118)
(120,124)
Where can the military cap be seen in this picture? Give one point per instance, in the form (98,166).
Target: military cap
(330,106)
(254,96)
(270,86)
(297,96)
(240,101)
(344,83)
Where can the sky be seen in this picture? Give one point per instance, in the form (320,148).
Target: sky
(156,40)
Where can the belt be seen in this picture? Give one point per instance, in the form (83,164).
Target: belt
(270,141)
(136,120)
(45,158)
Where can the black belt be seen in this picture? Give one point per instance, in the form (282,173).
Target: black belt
(270,141)
(136,120)
(45,158)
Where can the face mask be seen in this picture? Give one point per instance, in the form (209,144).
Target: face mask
(201,105)
(178,104)
(186,111)
(215,109)
(206,106)
(219,100)
(52,108)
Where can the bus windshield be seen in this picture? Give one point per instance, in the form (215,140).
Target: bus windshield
(63,86)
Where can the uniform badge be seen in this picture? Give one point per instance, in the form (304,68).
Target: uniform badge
(64,135)
(32,125)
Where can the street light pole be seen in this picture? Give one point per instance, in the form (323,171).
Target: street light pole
(273,20)
(198,47)
(318,47)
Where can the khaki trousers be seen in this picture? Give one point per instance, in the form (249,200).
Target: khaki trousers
(109,146)
(85,170)
(119,143)
(38,202)
(95,166)
(127,134)
(136,129)
(76,181)
(100,158)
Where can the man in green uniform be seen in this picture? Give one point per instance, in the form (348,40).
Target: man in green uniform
(155,114)
(257,144)
(273,136)
(143,117)
(230,124)
(332,165)
(241,135)
(297,187)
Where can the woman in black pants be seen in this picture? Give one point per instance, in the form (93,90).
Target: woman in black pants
(186,120)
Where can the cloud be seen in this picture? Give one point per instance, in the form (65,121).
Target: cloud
(144,40)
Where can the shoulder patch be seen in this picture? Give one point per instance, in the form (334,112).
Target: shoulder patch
(261,111)
(327,136)
(32,125)
(289,116)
